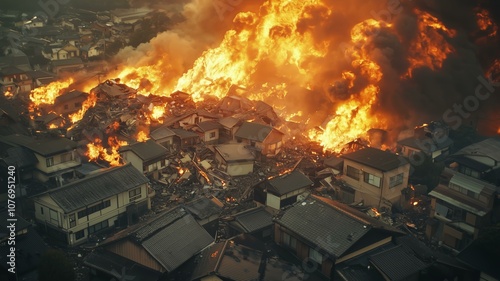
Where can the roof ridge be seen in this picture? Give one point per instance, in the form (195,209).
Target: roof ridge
(343,211)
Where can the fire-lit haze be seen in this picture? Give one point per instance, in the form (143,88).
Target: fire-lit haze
(339,67)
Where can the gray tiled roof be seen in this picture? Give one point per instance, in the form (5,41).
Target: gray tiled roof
(376,158)
(116,265)
(208,125)
(42,146)
(97,187)
(147,150)
(398,263)
(177,242)
(253,131)
(254,219)
(332,226)
(160,133)
(69,96)
(21,157)
(289,182)
(181,133)
(203,208)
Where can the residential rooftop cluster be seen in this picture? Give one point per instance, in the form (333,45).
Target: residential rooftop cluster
(221,190)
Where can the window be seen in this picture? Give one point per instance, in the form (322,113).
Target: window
(66,157)
(352,172)
(468,171)
(78,104)
(41,210)
(134,194)
(212,135)
(93,209)
(463,190)
(315,256)
(396,180)
(98,226)
(50,161)
(372,179)
(79,234)
(72,220)
(54,218)
(289,241)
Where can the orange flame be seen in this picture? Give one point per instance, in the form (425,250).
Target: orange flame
(142,136)
(95,151)
(8,93)
(485,23)
(430,47)
(48,94)
(88,103)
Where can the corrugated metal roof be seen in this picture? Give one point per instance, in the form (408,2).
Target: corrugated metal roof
(398,263)
(376,158)
(489,147)
(292,181)
(97,187)
(177,242)
(472,184)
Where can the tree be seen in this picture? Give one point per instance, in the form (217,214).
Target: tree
(54,266)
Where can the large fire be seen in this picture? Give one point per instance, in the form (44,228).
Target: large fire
(281,39)
(88,103)
(48,94)
(430,47)
(96,151)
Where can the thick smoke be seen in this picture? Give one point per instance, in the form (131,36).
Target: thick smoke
(409,101)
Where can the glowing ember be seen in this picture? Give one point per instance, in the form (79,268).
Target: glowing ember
(415,203)
(88,103)
(95,151)
(430,47)
(53,126)
(8,93)
(48,94)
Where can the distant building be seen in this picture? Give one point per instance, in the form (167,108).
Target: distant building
(234,159)
(265,139)
(114,197)
(208,131)
(148,157)
(129,16)
(282,190)
(375,177)
(70,102)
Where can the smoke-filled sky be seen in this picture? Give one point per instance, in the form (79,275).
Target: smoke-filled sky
(409,101)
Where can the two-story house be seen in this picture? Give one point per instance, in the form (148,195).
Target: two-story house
(376,177)
(57,158)
(460,206)
(208,131)
(148,157)
(114,197)
(264,138)
(234,159)
(14,80)
(324,233)
(282,190)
